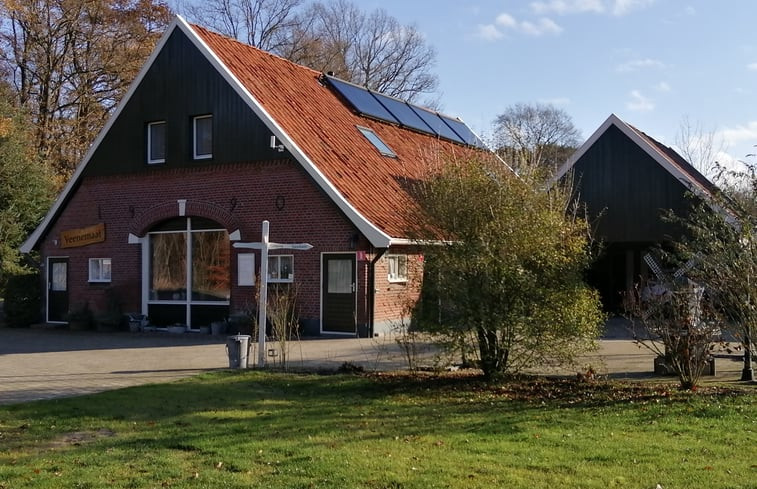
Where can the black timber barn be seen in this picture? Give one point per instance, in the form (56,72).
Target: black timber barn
(628,181)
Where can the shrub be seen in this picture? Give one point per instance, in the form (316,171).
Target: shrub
(23,299)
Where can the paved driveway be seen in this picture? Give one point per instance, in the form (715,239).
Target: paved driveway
(49,363)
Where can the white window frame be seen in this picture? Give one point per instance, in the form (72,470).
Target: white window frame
(278,278)
(102,278)
(195,140)
(396,277)
(150,160)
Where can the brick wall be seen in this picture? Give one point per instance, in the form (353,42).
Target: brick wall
(237,196)
(395,300)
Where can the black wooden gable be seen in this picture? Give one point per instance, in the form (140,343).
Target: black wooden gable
(179,85)
(620,182)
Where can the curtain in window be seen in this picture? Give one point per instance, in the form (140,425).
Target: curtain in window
(340,276)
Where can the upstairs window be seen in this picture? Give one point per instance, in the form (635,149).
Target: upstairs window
(397,266)
(156,142)
(203,137)
(380,145)
(99,269)
(281,268)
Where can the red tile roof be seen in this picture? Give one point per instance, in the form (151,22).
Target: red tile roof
(324,128)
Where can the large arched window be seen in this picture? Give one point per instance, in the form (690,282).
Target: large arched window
(189,274)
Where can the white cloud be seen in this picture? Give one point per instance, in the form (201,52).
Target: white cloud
(733,168)
(506,20)
(563,7)
(492,32)
(540,27)
(752,66)
(663,87)
(623,7)
(639,102)
(488,32)
(740,133)
(639,64)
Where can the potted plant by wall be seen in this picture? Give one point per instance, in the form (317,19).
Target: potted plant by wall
(80,317)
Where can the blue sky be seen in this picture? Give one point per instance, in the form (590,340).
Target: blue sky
(651,62)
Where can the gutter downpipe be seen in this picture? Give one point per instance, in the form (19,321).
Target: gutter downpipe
(372,285)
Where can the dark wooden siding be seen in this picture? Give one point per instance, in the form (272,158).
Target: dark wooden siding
(619,179)
(181,84)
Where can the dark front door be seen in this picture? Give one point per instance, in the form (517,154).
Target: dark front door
(57,289)
(339,291)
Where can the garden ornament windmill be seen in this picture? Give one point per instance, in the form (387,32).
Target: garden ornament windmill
(667,284)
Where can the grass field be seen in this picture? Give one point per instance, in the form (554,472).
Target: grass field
(262,429)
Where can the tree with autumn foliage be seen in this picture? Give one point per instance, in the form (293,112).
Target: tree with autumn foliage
(25,186)
(505,275)
(70,62)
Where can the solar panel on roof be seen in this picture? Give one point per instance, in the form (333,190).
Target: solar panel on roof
(463,131)
(389,109)
(403,113)
(362,100)
(437,124)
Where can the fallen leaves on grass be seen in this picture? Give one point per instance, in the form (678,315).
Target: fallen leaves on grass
(537,390)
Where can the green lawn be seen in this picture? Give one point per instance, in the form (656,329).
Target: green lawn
(261,429)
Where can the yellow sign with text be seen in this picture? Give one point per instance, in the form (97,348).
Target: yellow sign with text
(74,238)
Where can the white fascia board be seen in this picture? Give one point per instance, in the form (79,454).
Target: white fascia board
(377,238)
(34,238)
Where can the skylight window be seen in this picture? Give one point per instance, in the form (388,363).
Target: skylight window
(377,142)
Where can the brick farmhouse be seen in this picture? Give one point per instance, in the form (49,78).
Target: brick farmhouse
(214,137)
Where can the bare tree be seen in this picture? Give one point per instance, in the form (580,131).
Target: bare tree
(70,61)
(265,24)
(535,137)
(699,147)
(374,49)
(371,49)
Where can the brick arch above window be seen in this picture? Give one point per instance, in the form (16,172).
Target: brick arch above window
(151,216)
